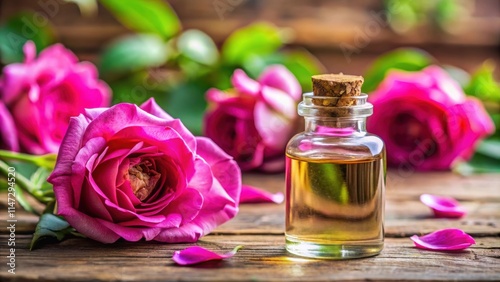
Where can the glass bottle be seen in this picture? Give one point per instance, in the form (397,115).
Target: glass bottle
(335,181)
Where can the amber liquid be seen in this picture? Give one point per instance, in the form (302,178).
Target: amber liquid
(335,208)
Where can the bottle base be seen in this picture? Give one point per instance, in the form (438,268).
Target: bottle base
(333,251)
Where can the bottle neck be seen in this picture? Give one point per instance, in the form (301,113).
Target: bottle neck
(337,127)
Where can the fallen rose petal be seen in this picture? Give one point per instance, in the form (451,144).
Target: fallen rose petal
(443,206)
(195,255)
(251,194)
(444,240)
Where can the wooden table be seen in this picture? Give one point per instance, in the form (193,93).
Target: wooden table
(259,227)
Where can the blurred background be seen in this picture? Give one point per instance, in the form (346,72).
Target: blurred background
(460,33)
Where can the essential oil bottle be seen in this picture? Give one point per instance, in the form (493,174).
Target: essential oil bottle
(335,175)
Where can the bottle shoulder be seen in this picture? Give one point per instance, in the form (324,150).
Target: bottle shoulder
(310,145)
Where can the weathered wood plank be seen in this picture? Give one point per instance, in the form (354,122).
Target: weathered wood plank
(263,258)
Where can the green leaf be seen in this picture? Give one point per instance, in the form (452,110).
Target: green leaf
(134,53)
(198,46)
(496,120)
(403,59)
(303,65)
(483,85)
(401,15)
(447,12)
(137,87)
(300,63)
(21,200)
(254,65)
(42,189)
(256,39)
(47,161)
(50,226)
(489,147)
(152,16)
(479,163)
(186,101)
(21,28)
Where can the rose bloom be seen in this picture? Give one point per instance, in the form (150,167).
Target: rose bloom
(135,172)
(42,93)
(8,134)
(426,120)
(254,121)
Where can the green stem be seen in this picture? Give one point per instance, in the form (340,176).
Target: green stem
(46,161)
(21,181)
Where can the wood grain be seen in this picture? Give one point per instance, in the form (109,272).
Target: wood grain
(259,227)
(263,258)
(405,215)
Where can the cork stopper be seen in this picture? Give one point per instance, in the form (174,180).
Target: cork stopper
(336,85)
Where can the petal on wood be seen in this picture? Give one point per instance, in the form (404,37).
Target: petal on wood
(196,254)
(250,194)
(445,207)
(444,240)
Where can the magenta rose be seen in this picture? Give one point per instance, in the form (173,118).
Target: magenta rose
(254,121)
(426,120)
(135,172)
(42,93)
(8,133)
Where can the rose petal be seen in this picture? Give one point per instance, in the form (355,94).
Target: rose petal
(279,77)
(245,84)
(444,240)
(8,134)
(57,57)
(151,107)
(443,206)
(220,200)
(29,50)
(194,255)
(250,194)
(274,127)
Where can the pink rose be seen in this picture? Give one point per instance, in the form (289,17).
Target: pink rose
(426,120)
(8,134)
(135,172)
(254,122)
(43,93)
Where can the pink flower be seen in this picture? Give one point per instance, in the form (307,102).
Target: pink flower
(426,120)
(254,121)
(43,93)
(196,254)
(135,172)
(8,134)
(250,194)
(444,240)
(443,206)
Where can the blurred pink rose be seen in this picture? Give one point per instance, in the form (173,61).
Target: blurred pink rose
(43,93)
(132,173)
(8,134)
(254,122)
(426,120)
